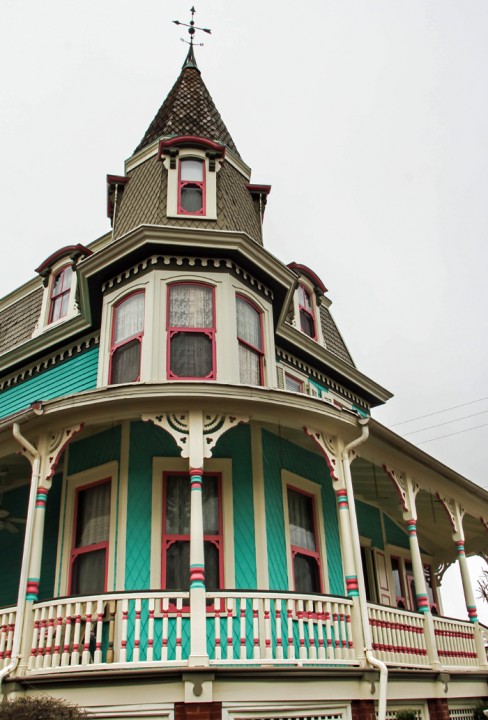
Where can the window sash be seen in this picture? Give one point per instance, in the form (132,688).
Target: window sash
(191,187)
(191,331)
(91,530)
(127,334)
(306,312)
(305,555)
(60,293)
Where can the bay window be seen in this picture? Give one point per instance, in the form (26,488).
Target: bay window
(250,340)
(191,187)
(127,333)
(60,293)
(175,572)
(191,331)
(89,553)
(303,541)
(306,312)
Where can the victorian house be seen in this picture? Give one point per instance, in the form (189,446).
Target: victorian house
(199,517)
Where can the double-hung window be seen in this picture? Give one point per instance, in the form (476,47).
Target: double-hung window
(250,339)
(306,312)
(305,553)
(127,332)
(191,187)
(191,331)
(175,572)
(88,568)
(60,292)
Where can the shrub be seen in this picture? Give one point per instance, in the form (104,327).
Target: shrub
(478,710)
(39,708)
(405,714)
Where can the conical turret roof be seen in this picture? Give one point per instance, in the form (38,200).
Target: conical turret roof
(188,110)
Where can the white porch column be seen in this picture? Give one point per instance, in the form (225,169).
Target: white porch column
(408,490)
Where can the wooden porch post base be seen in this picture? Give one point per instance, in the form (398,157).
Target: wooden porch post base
(363,710)
(198,711)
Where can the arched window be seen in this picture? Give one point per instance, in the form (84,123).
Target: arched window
(60,292)
(250,339)
(127,332)
(306,312)
(191,331)
(191,187)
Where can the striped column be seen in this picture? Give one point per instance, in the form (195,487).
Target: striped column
(33,580)
(467,586)
(345,532)
(418,568)
(198,628)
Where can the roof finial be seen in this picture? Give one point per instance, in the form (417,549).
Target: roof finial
(190,58)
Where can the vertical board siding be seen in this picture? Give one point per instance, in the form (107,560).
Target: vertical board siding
(11,546)
(394,534)
(369,523)
(69,376)
(236,445)
(279,454)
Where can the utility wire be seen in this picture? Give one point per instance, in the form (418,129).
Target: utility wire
(448,422)
(438,412)
(451,434)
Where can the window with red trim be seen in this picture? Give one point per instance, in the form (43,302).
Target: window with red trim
(60,292)
(191,187)
(89,553)
(191,331)
(398,581)
(431,589)
(306,312)
(293,384)
(305,553)
(175,573)
(127,332)
(250,339)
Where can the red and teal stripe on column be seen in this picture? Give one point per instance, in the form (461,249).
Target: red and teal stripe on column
(32,589)
(423,603)
(460,549)
(342,501)
(196,479)
(352,586)
(472,613)
(412,527)
(41,498)
(197,576)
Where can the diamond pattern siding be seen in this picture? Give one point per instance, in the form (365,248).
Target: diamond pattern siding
(332,336)
(144,202)
(280,454)
(19,320)
(188,110)
(95,450)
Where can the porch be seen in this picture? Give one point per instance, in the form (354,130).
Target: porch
(140,630)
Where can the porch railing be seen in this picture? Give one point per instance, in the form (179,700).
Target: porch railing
(456,643)
(398,635)
(7,626)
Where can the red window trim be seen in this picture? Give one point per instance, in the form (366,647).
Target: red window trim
(167,539)
(201,184)
(64,291)
(292,377)
(137,336)
(310,313)
(250,346)
(173,330)
(297,549)
(401,573)
(85,549)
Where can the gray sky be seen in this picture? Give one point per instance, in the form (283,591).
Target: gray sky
(368,118)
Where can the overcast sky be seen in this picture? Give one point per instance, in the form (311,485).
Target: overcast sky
(367,117)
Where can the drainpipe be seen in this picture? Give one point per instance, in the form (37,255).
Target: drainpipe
(368,650)
(29,527)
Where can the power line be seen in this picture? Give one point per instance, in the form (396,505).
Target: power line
(438,412)
(451,434)
(448,422)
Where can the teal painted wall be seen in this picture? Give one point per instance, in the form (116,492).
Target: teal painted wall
(49,548)
(236,445)
(70,376)
(11,546)
(395,535)
(280,454)
(369,523)
(94,450)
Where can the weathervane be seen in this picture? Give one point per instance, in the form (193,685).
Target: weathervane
(192,28)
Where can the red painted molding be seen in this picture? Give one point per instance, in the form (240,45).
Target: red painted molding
(71,251)
(313,277)
(259,189)
(190,141)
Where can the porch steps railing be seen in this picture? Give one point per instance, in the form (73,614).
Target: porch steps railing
(7,626)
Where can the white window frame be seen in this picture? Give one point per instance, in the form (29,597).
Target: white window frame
(173,184)
(311,488)
(43,323)
(65,539)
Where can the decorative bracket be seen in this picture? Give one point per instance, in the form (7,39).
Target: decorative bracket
(214,426)
(177,425)
(439,572)
(455,514)
(484,523)
(56,444)
(326,445)
(407,489)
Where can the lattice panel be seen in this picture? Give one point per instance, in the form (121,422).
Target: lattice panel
(461,712)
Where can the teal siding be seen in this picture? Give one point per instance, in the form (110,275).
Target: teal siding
(95,450)
(395,535)
(369,523)
(11,546)
(236,445)
(50,544)
(280,454)
(70,376)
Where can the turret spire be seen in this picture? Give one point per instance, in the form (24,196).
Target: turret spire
(190,60)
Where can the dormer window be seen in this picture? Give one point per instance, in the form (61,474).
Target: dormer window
(127,332)
(60,292)
(306,312)
(191,187)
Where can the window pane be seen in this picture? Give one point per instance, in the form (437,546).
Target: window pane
(129,318)
(212,569)
(300,510)
(304,298)
(306,573)
(307,324)
(210,499)
(178,566)
(191,198)
(57,307)
(93,515)
(292,384)
(249,366)
(126,362)
(88,573)
(191,355)
(248,323)
(191,306)
(62,281)
(178,505)
(191,170)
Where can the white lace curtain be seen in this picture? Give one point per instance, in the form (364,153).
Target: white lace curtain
(129,317)
(93,516)
(248,323)
(300,513)
(191,306)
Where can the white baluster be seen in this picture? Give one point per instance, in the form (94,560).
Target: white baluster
(150,631)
